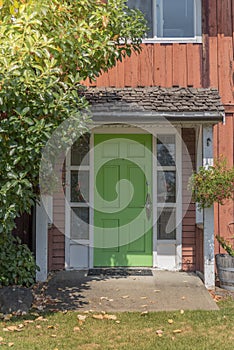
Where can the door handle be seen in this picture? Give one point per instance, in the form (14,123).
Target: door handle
(148,206)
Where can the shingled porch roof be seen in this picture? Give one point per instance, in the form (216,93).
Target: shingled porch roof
(150,103)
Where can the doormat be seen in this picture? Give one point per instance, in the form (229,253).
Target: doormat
(119,272)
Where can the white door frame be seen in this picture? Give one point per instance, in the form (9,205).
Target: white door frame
(124,129)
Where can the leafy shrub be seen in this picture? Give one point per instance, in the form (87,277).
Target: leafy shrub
(17,264)
(212,184)
(226,245)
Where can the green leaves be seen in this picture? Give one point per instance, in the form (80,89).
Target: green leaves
(215,184)
(46,49)
(17,263)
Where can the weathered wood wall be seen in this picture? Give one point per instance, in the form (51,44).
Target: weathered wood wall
(209,64)
(189,214)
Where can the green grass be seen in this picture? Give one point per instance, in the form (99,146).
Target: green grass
(199,330)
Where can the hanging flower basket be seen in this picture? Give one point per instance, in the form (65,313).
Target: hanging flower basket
(212,184)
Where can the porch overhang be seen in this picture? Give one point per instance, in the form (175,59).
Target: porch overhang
(144,117)
(155,105)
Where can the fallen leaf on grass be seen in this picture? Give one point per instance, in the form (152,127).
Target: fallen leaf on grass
(1,338)
(177,331)
(53,335)
(159,332)
(38,326)
(50,327)
(118,322)
(105,317)
(28,321)
(41,318)
(10,345)
(12,329)
(170,321)
(76,329)
(98,317)
(144,313)
(81,317)
(7,317)
(110,317)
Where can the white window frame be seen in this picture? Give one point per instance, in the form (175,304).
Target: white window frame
(177,242)
(69,241)
(197,27)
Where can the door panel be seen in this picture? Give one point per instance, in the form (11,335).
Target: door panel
(123,177)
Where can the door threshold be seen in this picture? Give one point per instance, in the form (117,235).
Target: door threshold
(120,271)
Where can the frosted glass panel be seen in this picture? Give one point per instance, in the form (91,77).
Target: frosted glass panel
(79,186)
(79,223)
(166,150)
(166,225)
(79,151)
(166,186)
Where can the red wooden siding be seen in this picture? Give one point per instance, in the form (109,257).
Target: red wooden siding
(224,214)
(189,214)
(56,234)
(197,65)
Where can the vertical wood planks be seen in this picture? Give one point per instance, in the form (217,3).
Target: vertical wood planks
(134,72)
(168,66)
(225,58)
(159,64)
(145,66)
(177,62)
(213,64)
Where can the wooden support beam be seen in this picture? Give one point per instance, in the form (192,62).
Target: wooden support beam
(43,218)
(208,213)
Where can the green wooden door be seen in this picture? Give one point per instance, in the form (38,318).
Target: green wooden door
(123,185)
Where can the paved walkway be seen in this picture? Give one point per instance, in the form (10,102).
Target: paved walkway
(161,291)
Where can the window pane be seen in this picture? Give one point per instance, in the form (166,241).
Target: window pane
(166,150)
(79,186)
(80,150)
(166,186)
(177,18)
(145,6)
(79,223)
(166,225)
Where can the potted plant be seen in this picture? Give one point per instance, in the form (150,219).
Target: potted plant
(215,184)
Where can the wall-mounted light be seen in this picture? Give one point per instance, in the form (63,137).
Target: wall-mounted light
(208,142)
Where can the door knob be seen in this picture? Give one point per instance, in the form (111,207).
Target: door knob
(148,206)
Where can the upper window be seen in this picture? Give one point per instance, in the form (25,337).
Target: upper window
(171,20)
